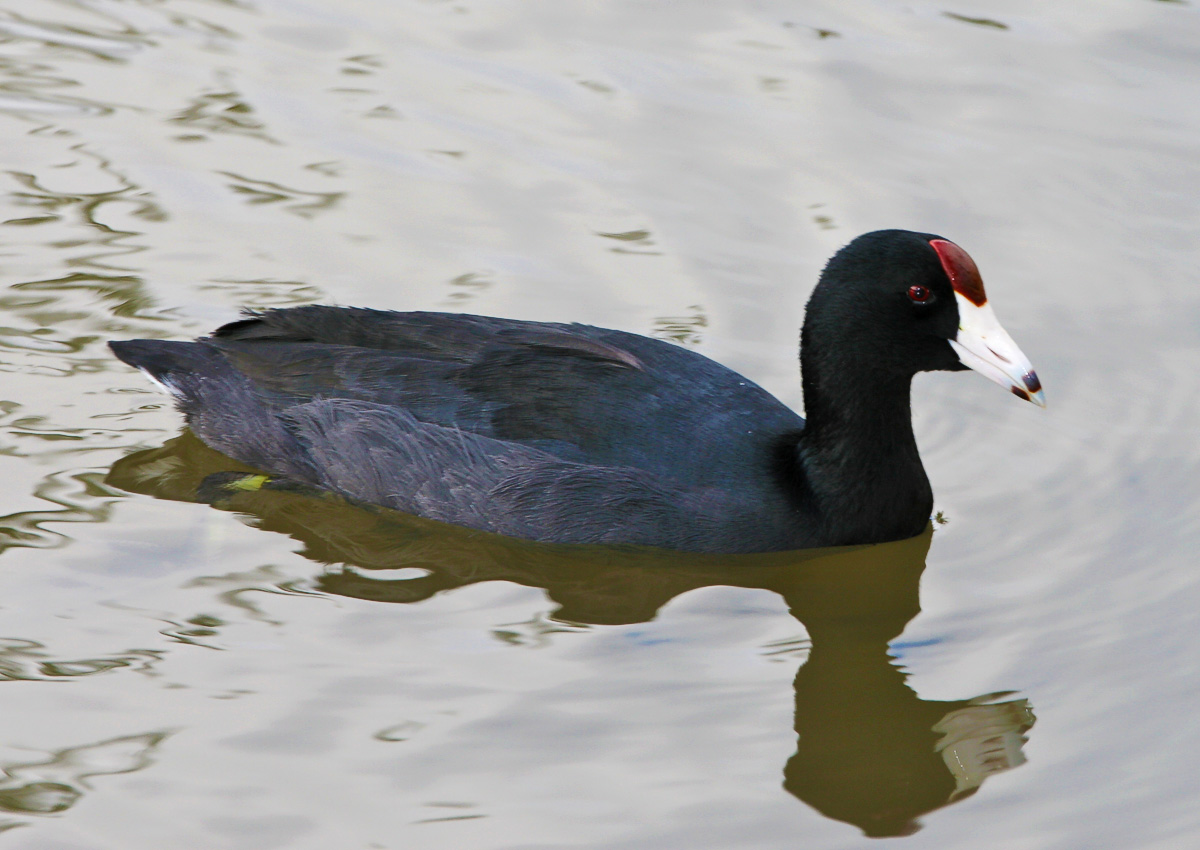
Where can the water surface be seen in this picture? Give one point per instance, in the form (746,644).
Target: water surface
(285,673)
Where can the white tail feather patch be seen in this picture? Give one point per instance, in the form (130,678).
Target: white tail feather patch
(162,384)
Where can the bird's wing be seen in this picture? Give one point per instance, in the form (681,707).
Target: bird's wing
(576,391)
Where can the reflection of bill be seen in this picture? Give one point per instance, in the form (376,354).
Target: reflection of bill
(870,752)
(981,739)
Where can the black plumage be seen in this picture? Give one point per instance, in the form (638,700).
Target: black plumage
(575,434)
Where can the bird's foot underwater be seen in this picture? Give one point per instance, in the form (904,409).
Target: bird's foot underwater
(219,487)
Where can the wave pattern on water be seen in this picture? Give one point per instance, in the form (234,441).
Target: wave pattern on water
(677,170)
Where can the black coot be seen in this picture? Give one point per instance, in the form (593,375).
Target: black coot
(569,433)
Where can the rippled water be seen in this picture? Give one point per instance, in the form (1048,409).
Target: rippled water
(179,676)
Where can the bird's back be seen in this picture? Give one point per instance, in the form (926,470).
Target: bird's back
(574,428)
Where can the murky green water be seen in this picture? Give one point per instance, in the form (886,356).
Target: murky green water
(291,673)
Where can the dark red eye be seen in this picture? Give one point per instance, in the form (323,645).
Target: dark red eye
(920,294)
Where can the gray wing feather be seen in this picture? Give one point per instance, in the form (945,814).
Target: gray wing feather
(385,456)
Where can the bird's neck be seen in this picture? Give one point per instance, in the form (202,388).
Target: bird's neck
(858,454)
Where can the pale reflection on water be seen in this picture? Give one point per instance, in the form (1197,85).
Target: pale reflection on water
(678,171)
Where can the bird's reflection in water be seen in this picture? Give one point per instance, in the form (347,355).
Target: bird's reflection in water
(870,752)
